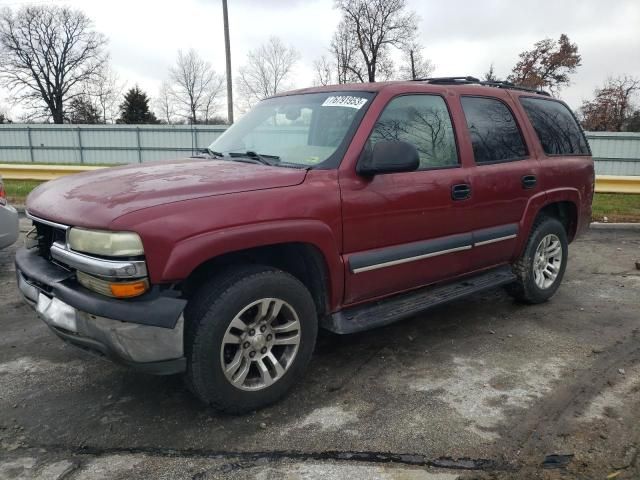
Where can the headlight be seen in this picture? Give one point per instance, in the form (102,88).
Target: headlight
(110,244)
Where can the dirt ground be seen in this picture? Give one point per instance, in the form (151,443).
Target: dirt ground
(479,389)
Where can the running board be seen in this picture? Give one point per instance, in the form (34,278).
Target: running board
(389,310)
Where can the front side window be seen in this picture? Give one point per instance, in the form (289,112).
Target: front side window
(495,135)
(555,126)
(295,130)
(423,121)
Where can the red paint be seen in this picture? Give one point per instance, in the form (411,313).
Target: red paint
(190,211)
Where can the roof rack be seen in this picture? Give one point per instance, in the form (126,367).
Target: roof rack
(476,81)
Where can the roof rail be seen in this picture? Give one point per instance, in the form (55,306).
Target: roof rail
(476,81)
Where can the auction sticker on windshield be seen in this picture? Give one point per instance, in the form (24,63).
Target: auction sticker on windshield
(344,101)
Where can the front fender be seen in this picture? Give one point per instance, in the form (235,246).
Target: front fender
(191,252)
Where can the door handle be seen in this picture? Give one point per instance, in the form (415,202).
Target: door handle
(461,191)
(529,181)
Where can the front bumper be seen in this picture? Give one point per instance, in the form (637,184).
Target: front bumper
(145,333)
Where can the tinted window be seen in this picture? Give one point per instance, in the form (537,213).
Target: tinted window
(556,127)
(494,133)
(423,121)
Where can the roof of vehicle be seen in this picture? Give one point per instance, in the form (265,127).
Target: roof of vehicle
(446,82)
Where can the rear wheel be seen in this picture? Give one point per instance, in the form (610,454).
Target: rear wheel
(250,334)
(542,265)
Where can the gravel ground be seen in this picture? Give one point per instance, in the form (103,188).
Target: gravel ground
(479,389)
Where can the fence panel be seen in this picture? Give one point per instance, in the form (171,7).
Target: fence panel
(615,153)
(103,144)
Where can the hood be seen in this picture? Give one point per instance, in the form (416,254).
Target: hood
(94,199)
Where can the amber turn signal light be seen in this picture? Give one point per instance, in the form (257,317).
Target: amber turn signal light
(129,289)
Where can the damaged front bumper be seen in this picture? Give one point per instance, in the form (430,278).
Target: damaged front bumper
(145,333)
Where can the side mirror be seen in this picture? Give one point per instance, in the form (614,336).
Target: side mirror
(389,157)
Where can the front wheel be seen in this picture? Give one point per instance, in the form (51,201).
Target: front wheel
(540,270)
(250,334)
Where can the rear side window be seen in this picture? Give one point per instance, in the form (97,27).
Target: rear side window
(556,127)
(495,135)
(423,121)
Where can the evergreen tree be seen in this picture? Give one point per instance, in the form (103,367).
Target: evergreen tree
(81,110)
(633,122)
(135,108)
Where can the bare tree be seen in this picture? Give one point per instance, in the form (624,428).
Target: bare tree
(612,107)
(372,26)
(266,71)
(164,104)
(46,54)
(195,87)
(490,75)
(323,71)
(104,93)
(547,65)
(107,90)
(415,65)
(344,47)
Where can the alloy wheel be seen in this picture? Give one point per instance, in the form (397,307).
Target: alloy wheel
(260,344)
(547,261)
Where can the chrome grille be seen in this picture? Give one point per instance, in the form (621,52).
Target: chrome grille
(46,233)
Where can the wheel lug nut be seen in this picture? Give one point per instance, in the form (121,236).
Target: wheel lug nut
(269,337)
(246,345)
(252,354)
(252,332)
(263,328)
(264,350)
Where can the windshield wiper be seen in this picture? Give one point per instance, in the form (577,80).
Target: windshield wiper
(207,153)
(213,153)
(257,157)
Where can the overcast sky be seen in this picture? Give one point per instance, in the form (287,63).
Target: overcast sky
(460,37)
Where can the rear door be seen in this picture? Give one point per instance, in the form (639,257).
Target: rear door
(503,179)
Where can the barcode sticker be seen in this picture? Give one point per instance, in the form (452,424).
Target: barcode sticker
(345,101)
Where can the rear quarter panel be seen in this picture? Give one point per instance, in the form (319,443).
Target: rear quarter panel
(562,178)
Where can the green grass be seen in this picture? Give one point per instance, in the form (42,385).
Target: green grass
(617,207)
(17,190)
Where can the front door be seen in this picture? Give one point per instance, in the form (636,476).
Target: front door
(405,230)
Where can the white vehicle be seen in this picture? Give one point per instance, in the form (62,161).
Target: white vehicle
(8,220)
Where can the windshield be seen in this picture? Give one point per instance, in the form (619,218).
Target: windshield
(299,130)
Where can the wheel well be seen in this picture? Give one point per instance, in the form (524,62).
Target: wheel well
(566,213)
(303,261)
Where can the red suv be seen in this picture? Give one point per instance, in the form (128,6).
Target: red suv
(345,207)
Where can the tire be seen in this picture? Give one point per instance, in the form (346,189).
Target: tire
(235,306)
(532,285)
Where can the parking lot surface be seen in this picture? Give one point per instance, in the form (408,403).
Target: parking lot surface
(483,388)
